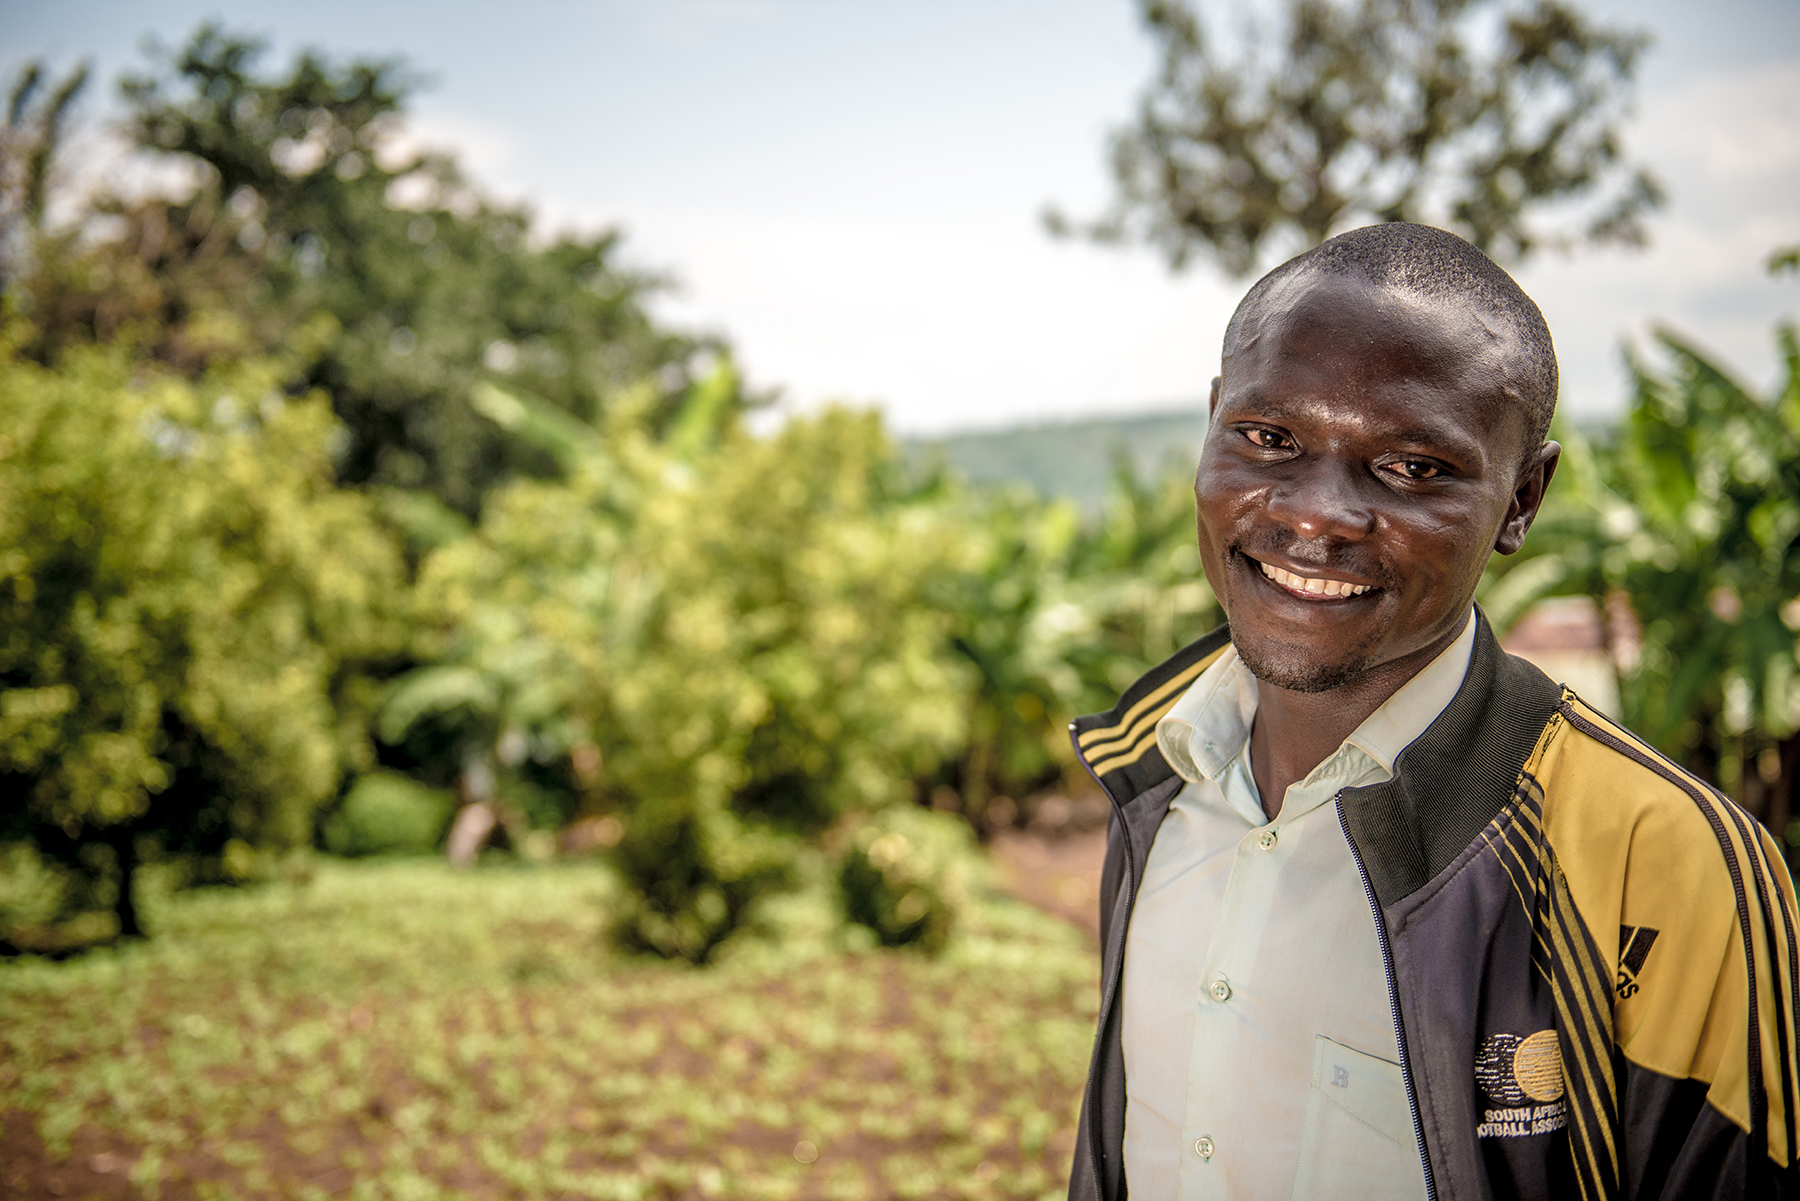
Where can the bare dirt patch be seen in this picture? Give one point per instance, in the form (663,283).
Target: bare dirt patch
(1059,874)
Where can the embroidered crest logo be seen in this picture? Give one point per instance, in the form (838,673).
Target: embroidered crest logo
(1634,949)
(1523,1076)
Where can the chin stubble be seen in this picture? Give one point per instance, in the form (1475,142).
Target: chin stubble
(1286,666)
(1293,666)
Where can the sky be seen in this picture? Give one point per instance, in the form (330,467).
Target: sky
(850,190)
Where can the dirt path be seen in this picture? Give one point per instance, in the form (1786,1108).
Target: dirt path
(1059,875)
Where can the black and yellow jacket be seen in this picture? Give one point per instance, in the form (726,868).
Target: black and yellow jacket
(1592,955)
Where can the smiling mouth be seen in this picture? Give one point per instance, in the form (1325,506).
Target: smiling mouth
(1312,586)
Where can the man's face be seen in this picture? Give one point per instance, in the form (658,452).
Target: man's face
(1361,464)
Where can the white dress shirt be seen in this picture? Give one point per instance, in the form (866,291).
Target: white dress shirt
(1260,1055)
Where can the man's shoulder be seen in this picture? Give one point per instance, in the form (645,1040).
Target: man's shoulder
(1125,735)
(1600,780)
(1644,841)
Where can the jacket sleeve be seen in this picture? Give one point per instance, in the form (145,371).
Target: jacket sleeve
(1704,984)
(1722,1124)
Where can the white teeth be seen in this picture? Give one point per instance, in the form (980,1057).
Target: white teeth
(1310,585)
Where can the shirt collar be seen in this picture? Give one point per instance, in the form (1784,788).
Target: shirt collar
(1405,715)
(1204,730)
(1208,726)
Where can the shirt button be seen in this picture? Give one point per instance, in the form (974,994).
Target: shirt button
(1220,988)
(1203,1147)
(1266,840)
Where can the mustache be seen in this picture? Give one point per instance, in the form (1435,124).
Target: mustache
(1313,555)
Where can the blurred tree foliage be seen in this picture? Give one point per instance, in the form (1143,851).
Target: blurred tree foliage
(1058,616)
(387,812)
(725,642)
(188,603)
(1684,526)
(1470,114)
(303,200)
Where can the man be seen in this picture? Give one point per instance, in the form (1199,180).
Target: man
(1365,870)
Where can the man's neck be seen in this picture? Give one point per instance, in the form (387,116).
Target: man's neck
(1294,732)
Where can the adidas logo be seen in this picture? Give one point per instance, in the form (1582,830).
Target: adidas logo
(1634,948)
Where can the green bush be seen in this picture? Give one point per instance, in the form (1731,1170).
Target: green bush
(386,812)
(907,875)
(192,609)
(694,880)
(32,892)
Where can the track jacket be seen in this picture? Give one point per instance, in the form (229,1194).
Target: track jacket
(1545,1055)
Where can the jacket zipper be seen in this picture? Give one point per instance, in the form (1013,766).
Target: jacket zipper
(1110,969)
(1387,964)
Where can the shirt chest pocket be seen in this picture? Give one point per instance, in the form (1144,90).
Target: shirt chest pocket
(1357,1141)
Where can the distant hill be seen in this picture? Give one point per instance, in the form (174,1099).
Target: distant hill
(1073,458)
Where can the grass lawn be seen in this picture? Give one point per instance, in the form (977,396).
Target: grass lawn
(395,1029)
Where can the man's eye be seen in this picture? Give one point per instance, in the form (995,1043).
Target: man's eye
(1268,438)
(1416,469)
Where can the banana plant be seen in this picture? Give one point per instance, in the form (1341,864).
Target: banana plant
(1689,513)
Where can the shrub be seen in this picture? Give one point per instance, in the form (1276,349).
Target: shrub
(694,880)
(724,640)
(387,812)
(907,874)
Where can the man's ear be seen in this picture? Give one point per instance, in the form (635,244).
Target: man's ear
(1212,403)
(1528,498)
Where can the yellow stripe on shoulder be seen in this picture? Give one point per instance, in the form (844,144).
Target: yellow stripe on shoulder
(1146,740)
(1612,726)
(1130,755)
(1104,740)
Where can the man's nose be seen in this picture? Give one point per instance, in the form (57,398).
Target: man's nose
(1326,500)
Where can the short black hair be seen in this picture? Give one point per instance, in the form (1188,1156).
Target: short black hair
(1434,263)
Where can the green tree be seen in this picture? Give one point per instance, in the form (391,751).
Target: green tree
(1011,617)
(906,875)
(1348,110)
(1139,573)
(305,203)
(190,607)
(721,639)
